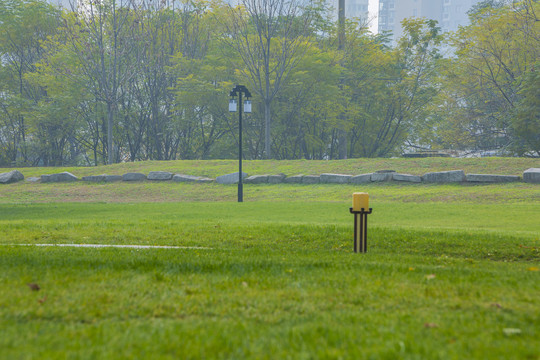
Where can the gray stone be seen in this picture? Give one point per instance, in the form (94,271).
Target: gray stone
(185,178)
(276,179)
(94,178)
(381,176)
(311,179)
(205,180)
(61,177)
(257,179)
(113,178)
(295,179)
(406,178)
(33,179)
(159,175)
(230,178)
(133,177)
(360,179)
(11,177)
(335,178)
(487,178)
(385,171)
(532,175)
(452,176)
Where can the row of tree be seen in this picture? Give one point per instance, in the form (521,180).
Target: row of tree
(123,80)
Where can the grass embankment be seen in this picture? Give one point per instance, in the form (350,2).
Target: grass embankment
(451,273)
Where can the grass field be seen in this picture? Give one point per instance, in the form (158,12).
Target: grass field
(452,272)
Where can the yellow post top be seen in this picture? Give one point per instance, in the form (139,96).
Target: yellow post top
(360,201)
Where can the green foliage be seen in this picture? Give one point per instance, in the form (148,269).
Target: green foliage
(151,81)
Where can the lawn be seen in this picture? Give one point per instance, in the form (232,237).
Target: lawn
(452,272)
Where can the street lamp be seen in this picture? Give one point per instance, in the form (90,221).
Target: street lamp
(238,90)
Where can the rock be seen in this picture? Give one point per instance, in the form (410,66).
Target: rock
(133,177)
(61,177)
(230,178)
(487,178)
(385,171)
(185,178)
(191,178)
(360,179)
(205,180)
(33,179)
(452,176)
(335,178)
(112,178)
(296,179)
(276,179)
(406,178)
(94,178)
(381,176)
(159,175)
(532,175)
(311,179)
(257,179)
(11,177)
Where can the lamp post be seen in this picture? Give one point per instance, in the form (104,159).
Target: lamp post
(238,90)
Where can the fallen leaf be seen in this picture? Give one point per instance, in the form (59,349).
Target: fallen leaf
(430,276)
(430,325)
(499,306)
(33,286)
(42,300)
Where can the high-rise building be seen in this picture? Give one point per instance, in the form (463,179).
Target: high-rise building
(450,14)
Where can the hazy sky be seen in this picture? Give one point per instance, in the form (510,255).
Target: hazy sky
(373,11)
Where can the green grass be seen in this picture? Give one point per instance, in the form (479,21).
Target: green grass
(214,168)
(452,272)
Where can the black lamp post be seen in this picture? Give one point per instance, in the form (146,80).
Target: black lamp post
(238,90)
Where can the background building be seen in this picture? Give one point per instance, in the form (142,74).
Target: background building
(450,14)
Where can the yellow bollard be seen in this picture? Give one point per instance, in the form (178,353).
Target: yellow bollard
(360,200)
(360,210)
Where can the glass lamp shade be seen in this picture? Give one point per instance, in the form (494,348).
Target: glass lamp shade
(247,106)
(232,105)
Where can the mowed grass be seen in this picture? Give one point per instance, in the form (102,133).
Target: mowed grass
(452,272)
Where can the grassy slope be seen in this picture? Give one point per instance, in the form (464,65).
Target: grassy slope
(450,270)
(213,168)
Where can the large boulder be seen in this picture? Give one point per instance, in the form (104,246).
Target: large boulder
(276,179)
(133,177)
(11,177)
(295,179)
(311,179)
(382,175)
(61,177)
(532,175)
(257,179)
(159,175)
(230,178)
(94,178)
(335,178)
(453,176)
(406,178)
(360,179)
(191,178)
(487,178)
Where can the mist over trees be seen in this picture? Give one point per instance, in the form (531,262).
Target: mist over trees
(125,80)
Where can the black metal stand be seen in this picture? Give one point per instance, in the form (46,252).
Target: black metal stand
(360,229)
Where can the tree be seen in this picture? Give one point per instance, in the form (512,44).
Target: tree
(270,37)
(484,82)
(24,25)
